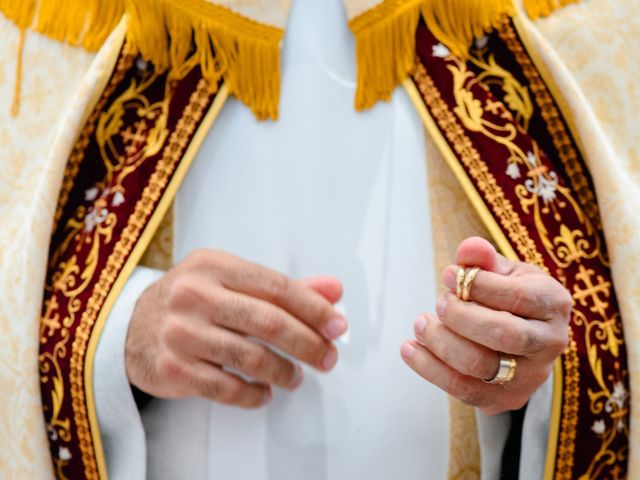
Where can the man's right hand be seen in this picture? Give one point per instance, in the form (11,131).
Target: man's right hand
(201,319)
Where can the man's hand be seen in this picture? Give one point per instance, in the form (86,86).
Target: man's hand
(202,318)
(514,308)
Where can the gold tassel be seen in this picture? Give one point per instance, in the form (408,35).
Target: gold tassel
(227,44)
(385,48)
(543,8)
(385,37)
(84,23)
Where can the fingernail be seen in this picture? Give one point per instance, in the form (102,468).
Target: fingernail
(329,360)
(420,325)
(298,376)
(334,328)
(449,277)
(441,306)
(407,350)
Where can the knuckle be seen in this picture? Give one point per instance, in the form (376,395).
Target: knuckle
(170,367)
(456,385)
(278,286)
(272,326)
(182,293)
(232,393)
(210,388)
(234,309)
(197,257)
(235,355)
(565,303)
(258,362)
(519,340)
(559,343)
(515,402)
(480,366)
(205,256)
(524,296)
(174,332)
(471,397)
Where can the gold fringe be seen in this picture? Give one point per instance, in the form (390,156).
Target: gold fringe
(457,23)
(385,37)
(85,23)
(385,48)
(227,44)
(543,8)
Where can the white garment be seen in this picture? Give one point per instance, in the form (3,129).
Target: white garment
(324,190)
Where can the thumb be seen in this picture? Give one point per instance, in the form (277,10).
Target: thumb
(478,252)
(329,287)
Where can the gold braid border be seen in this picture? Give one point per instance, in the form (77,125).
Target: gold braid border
(570,406)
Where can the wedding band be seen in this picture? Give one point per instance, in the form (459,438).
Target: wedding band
(506,371)
(460,276)
(471,274)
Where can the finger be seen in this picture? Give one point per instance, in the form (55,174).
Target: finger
(478,252)
(294,296)
(211,382)
(226,348)
(466,389)
(529,296)
(500,331)
(459,353)
(267,322)
(330,288)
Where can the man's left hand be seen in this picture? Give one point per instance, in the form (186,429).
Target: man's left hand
(514,309)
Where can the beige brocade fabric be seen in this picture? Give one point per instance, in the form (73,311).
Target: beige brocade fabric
(159,253)
(34,148)
(454,219)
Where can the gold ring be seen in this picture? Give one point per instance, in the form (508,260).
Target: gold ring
(506,371)
(471,274)
(460,276)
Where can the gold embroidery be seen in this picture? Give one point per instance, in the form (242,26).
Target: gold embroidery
(557,129)
(478,169)
(541,191)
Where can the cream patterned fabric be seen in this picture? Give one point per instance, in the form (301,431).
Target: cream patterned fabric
(356,7)
(582,45)
(35,146)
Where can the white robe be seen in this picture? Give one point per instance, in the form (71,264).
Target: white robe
(324,190)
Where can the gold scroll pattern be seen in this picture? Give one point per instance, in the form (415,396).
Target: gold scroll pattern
(91,228)
(542,196)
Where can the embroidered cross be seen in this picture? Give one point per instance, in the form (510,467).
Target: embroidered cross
(592,291)
(134,137)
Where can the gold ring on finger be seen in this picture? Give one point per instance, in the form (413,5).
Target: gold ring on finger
(506,370)
(460,276)
(470,276)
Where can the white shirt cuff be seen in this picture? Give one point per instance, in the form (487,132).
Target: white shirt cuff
(121,428)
